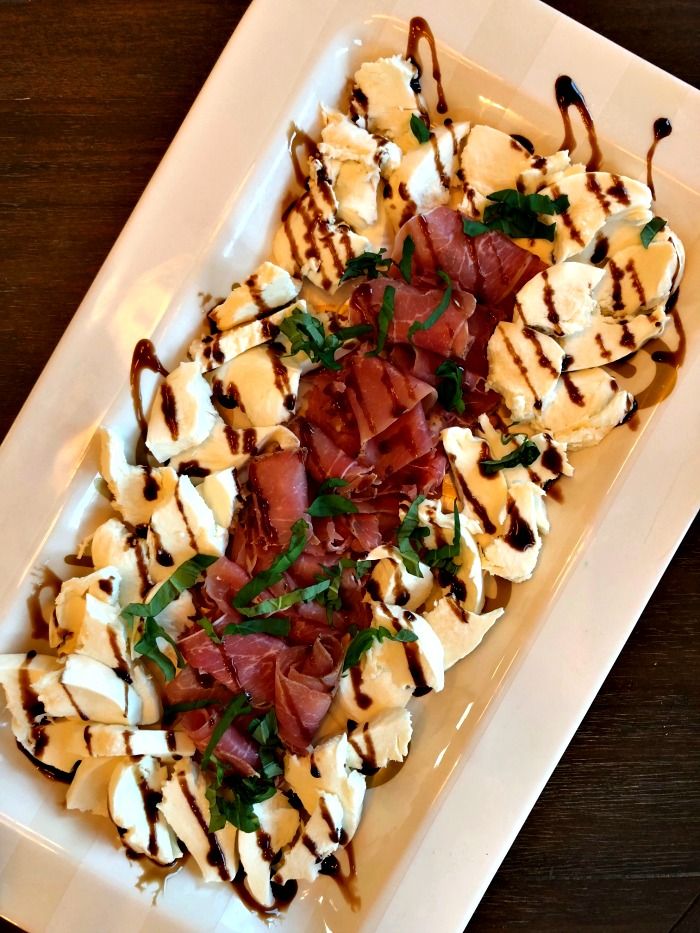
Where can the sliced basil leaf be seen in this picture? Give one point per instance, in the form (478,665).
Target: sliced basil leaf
(147,646)
(280,603)
(331,504)
(368,263)
(367,637)
(419,129)
(406,263)
(206,624)
(649,231)
(474,227)
(450,387)
(264,728)
(237,707)
(177,708)
(407,529)
(535,203)
(524,455)
(306,334)
(333,482)
(184,577)
(438,312)
(384,319)
(443,557)
(277,568)
(271,626)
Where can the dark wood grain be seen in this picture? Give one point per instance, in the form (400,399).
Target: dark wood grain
(91,93)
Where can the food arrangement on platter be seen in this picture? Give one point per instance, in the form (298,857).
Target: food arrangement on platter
(327,489)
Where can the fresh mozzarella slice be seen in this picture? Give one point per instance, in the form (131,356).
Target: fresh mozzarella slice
(546,170)
(390,582)
(459,631)
(145,687)
(310,244)
(593,198)
(186,809)
(182,414)
(89,690)
(559,301)
(319,838)
(227,447)
(260,385)
(524,367)
(89,789)
(374,744)
(490,161)
(483,497)
(212,352)
(514,553)
(424,177)
(354,160)
(325,770)
(637,279)
(616,234)
(468,582)
(278,825)
(137,490)
(220,492)
(551,463)
(608,339)
(268,287)
(181,528)
(19,674)
(134,794)
(585,407)
(113,545)
(388,97)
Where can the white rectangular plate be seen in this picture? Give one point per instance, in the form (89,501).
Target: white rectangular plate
(432,839)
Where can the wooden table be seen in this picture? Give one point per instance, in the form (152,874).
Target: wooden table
(91,93)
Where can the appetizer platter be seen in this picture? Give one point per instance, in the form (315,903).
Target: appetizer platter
(332,494)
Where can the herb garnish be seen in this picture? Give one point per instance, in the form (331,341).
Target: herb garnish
(271,626)
(277,568)
(442,558)
(184,577)
(367,637)
(436,314)
(329,504)
(649,231)
(208,627)
(170,712)
(450,386)
(333,482)
(369,264)
(238,706)
(330,598)
(419,129)
(148,647)
(386,316)
(231,800)
(516,215)
(409,529)
(524,455)
(280,603)
(306,334)
(405,263)
(264,731)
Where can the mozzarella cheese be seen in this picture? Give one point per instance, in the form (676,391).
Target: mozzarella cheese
(325,770)
(524,366)
(181,528)
(593,198)
(559,301)
(19,673)
(390,582)
(459,630)
(89,690)
(186,809)
(182,414)
(636,279)
(514,553)
(145,687)
(390,99)
(319,838)
(89,789)
(607,339)
(386,738)
(220,492)
(353,160)
(483,497)
(113,545)
(585,407)
(278,826)
(469,580)
(212,352)
(134,794)
(137,490)
(258,389)
(423,179)
(227,447)
(268,287)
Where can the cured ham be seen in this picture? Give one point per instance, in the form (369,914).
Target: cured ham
(327,407)
(234,747)
(326,459)
(449,335)
(190,685)
(279,489)
(490,266)
(405,440)
(210,658)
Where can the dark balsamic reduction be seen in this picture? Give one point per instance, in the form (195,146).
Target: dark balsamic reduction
(419,29)
(568,95)
(662,130)
(524,142)
(144,357)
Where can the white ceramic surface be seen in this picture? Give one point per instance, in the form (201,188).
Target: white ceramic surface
(431,839)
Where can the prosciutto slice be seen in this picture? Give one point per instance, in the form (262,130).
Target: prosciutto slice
(211,658)
(279,488)
(404,441)
(235,748)
(223,580)
(325,458)
(189,685)
(491,266)
(449,335)
(379,394)
(327,406)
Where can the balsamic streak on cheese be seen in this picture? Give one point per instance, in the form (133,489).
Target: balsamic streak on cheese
(568,95)
(662,130)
